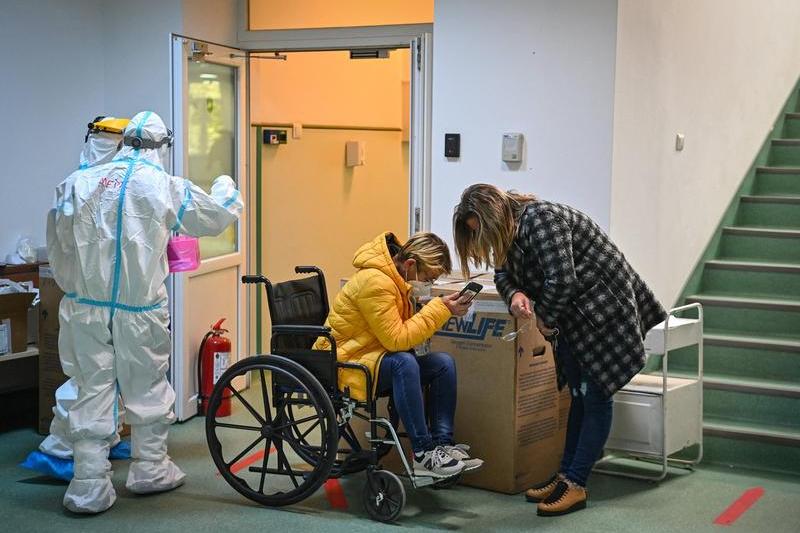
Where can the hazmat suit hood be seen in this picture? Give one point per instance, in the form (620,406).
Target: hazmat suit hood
(100,148)
(149,128)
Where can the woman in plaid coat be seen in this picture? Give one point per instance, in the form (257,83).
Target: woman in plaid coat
(584,291)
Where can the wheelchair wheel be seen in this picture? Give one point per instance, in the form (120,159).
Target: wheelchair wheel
(256,449)
(384,495)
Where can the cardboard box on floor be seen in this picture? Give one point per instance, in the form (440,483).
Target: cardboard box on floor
(509,408)
(50,374)
(14,309)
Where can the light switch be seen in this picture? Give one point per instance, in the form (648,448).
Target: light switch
(679,140)
(297,130)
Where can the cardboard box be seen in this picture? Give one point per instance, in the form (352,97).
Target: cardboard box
(49,301)
(509,408)
(50,374)
(14,308)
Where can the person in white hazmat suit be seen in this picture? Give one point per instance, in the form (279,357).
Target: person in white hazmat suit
(107,239)
(102,142)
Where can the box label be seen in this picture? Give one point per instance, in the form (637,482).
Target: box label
(5,336)
(479,328)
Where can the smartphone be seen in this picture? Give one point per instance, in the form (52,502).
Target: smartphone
(471,290)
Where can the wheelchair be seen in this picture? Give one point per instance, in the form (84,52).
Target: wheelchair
(294,431)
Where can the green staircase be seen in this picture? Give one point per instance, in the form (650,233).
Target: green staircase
(749,284)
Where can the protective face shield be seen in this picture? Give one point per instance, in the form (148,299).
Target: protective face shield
(164,154)
(102,140)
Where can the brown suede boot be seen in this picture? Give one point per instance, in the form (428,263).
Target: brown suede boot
(565,498)
(541,491)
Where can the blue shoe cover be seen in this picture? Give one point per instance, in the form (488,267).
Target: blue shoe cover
(49,465)
(121,451)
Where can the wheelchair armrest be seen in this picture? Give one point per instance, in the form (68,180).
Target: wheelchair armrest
(286,330)
(362,368)
(292,329)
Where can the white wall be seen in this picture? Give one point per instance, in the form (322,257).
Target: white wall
(211,20)
(67,62)
(718,71)
(52,87)
(544,68)
(137,55)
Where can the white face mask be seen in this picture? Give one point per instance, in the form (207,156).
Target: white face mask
(420,289)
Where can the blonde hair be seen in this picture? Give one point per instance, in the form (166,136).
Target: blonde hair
(429,251)
(497,213)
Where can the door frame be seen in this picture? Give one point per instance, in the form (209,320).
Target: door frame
(420,127)
(186,403)
(417,37)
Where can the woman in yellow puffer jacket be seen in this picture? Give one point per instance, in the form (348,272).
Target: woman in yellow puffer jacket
(373,323)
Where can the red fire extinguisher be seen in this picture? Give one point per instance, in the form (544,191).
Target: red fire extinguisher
(212,361)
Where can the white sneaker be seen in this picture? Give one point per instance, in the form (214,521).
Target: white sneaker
(436,463)
(461,453)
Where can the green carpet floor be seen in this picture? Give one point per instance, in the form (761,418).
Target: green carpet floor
(683,502)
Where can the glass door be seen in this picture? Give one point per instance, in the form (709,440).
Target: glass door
(209,117)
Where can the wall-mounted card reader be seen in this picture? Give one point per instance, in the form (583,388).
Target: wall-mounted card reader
(512,147)
(452,145)
(274,136)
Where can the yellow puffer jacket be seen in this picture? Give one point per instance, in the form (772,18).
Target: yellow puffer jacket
(373,315)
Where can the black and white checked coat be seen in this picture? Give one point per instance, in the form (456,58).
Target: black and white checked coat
(580,282)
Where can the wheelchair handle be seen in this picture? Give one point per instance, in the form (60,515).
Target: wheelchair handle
(307,270)
(254,279)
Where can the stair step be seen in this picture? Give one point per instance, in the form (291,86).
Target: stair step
(779,211)
(760,244)
(777,180)
(721,427)
(779,233)
(759,342)
(769,199)
(791,126)
(748,385)
(751,278)
(778,319)
(778,170)
(742,449)
(754,266)
(736,363)
(771,304)
(784,153)
(752,408)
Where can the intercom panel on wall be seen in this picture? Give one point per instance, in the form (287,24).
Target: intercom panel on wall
(512,147)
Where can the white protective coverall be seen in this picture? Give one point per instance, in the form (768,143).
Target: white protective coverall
(99,148)
(107,241)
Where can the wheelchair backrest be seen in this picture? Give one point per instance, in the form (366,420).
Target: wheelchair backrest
(298,302)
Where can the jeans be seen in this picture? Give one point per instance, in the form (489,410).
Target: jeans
(589,419)
(405,374)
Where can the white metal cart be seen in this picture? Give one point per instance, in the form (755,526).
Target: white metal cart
(657,415)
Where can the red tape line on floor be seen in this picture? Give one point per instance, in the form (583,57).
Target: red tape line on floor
(250,459)
(740,506)
(335,493)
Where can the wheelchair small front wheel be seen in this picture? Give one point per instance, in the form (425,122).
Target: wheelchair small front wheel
(384,495)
